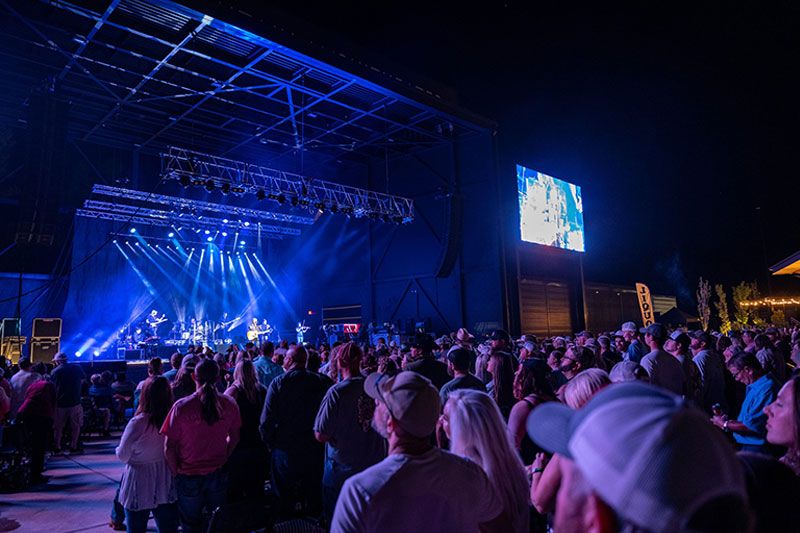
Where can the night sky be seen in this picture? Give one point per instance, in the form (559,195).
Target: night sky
(678,124)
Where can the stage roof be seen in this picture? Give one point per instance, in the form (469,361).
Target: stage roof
(787,267)
(148,74)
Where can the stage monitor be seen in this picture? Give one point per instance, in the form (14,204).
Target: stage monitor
(550,210)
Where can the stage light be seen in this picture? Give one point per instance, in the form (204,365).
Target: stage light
(334,208)
(210,186)
(281,199)
(78,354)
(96,352)
(207,232)
(224,220)
(185,180)
(246,223)
(171,234)
(241,243)
(226,188)
(224,233)
(114,241)
(210,239)
(261,195)
(133,230)
(138,244)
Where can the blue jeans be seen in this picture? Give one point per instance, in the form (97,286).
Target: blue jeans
(196,493)
(333,479)
(166,517)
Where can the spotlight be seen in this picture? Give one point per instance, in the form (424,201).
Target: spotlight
(224,220)
(207,232)
(78,354)
(210,186)
(210,239)
(320,207)
(241,243)
(114,241)
(261,195)
(185,180)
(334,208)
(294,201)
(138,244)
(133,230)
(96,352)
(237,190)
(224,233)
(226,188)
(171,234)
(246,223)
(281,199)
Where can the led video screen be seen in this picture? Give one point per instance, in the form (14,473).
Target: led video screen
(550,210)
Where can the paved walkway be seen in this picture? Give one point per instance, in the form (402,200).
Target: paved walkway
(77,498)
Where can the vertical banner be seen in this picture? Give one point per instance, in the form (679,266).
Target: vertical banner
(645,303)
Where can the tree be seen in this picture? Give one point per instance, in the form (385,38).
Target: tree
(779,317)
(722,309)
(744,292)
(704,302)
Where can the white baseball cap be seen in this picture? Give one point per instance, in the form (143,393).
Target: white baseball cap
(646,452)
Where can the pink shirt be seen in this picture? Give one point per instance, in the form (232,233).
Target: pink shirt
(192,446)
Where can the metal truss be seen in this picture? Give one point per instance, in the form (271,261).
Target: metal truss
(147,74)
(164,219)
(195,168)
(187,204)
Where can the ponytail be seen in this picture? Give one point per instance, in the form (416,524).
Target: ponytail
(207,372)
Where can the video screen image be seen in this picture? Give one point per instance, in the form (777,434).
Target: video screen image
(550,210)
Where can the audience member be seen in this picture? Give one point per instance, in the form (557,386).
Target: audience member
(248,464)
(501,388)
(458,363)
(475,427)
(625,371)
(712,372)
(67,377)
(664,370)
(650,462)
(749,428)
(201,431)
(343,423)
(287,427)
(36,415)
(175,365)
(531,388)
(147,484)
(417,487)
(635,349)
(266,368)
(424,363)
(20,383)
(783,423)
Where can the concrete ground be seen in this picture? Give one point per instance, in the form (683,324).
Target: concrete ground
(78,497)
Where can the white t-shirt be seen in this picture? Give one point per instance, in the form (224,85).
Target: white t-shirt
(435,491)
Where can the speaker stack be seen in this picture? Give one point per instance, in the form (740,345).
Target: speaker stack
(45,339)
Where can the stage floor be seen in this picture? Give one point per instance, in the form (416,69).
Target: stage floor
(77,498)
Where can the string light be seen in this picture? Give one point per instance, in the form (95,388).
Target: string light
(779,302)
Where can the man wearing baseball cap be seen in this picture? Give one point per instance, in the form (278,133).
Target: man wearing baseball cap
(635,350)
(425,363)
(417,487)
(664,370)
(651,462)
(458,363)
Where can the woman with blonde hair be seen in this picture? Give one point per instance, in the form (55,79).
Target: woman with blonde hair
(248,462)
(547,474)
(477,431)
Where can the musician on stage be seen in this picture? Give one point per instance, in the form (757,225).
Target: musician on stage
(301,330)
(154,320)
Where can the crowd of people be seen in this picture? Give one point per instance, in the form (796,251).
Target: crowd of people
(652,429)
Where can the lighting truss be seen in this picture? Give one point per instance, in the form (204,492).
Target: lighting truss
(160,218)
(189,167)
(198,205)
